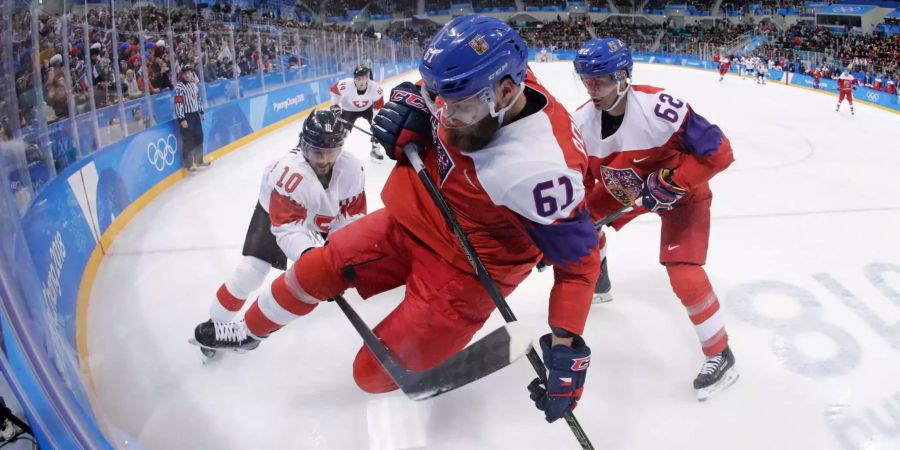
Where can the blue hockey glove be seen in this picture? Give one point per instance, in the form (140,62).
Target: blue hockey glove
(567,370)
(404,119)
(660,193)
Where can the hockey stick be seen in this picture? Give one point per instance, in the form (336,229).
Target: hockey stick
(489,354)
(412,155)
(613,216)
(365,131)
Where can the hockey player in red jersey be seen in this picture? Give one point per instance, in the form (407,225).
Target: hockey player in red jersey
(316,188)
(724,65)
(846,86)
(511,166)
(817,76)
(663,154)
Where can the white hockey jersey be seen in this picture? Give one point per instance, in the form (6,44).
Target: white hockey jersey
(659,130)
(345,95)
(299,206)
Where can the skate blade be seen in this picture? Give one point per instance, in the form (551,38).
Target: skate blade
(727,380)
(209,356)
(193,341)
(601,297)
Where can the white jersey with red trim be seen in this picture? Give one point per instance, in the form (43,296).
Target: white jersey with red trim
(846,82)
(659,130)
(299,205)
(345,95)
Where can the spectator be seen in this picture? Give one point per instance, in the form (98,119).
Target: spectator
(211,72)
(131,85)
(55,87)
(161,79)
(101,92)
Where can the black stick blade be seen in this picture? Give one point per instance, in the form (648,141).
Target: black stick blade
(489,354)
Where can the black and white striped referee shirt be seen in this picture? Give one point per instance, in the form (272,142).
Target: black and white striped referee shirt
(187,99)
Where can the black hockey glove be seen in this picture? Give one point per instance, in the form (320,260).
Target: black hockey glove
(405,119)
(567,368)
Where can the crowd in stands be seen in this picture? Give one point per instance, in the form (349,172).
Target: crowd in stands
(437,5)
(339,8)
(691,39)
(84,57)
(557,34)
(869,54)
(97,67)
(639,37)
(625,6)
(493,3)
(543,3)
(419,33)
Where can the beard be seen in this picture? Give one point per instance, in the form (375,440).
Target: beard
(324,175)
(474,137)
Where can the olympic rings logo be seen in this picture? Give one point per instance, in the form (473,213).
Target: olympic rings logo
(162,152)
(873,97)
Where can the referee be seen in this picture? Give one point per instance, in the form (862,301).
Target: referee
(189,113)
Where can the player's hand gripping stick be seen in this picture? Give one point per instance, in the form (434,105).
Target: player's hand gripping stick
(404,120)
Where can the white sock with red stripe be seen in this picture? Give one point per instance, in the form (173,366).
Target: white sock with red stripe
(279,304)
(247,277)
(691,285)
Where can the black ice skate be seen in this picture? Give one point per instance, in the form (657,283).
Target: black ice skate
(717,373)
(603,286)
(233,336)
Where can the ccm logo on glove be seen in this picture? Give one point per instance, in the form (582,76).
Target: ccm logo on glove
(409,98)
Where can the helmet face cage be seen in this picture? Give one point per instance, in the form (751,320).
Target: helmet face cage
(463,112)
(468,111)
(319,156)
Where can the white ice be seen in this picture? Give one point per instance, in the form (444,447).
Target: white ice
(812,199)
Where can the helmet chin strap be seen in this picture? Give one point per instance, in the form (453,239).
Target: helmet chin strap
(501,114)
(620,94)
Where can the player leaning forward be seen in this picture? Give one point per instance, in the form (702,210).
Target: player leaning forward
(511,166)
(313,190)
(645,143)
(357,97)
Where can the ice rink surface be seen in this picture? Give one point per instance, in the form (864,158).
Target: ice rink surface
(804,255)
